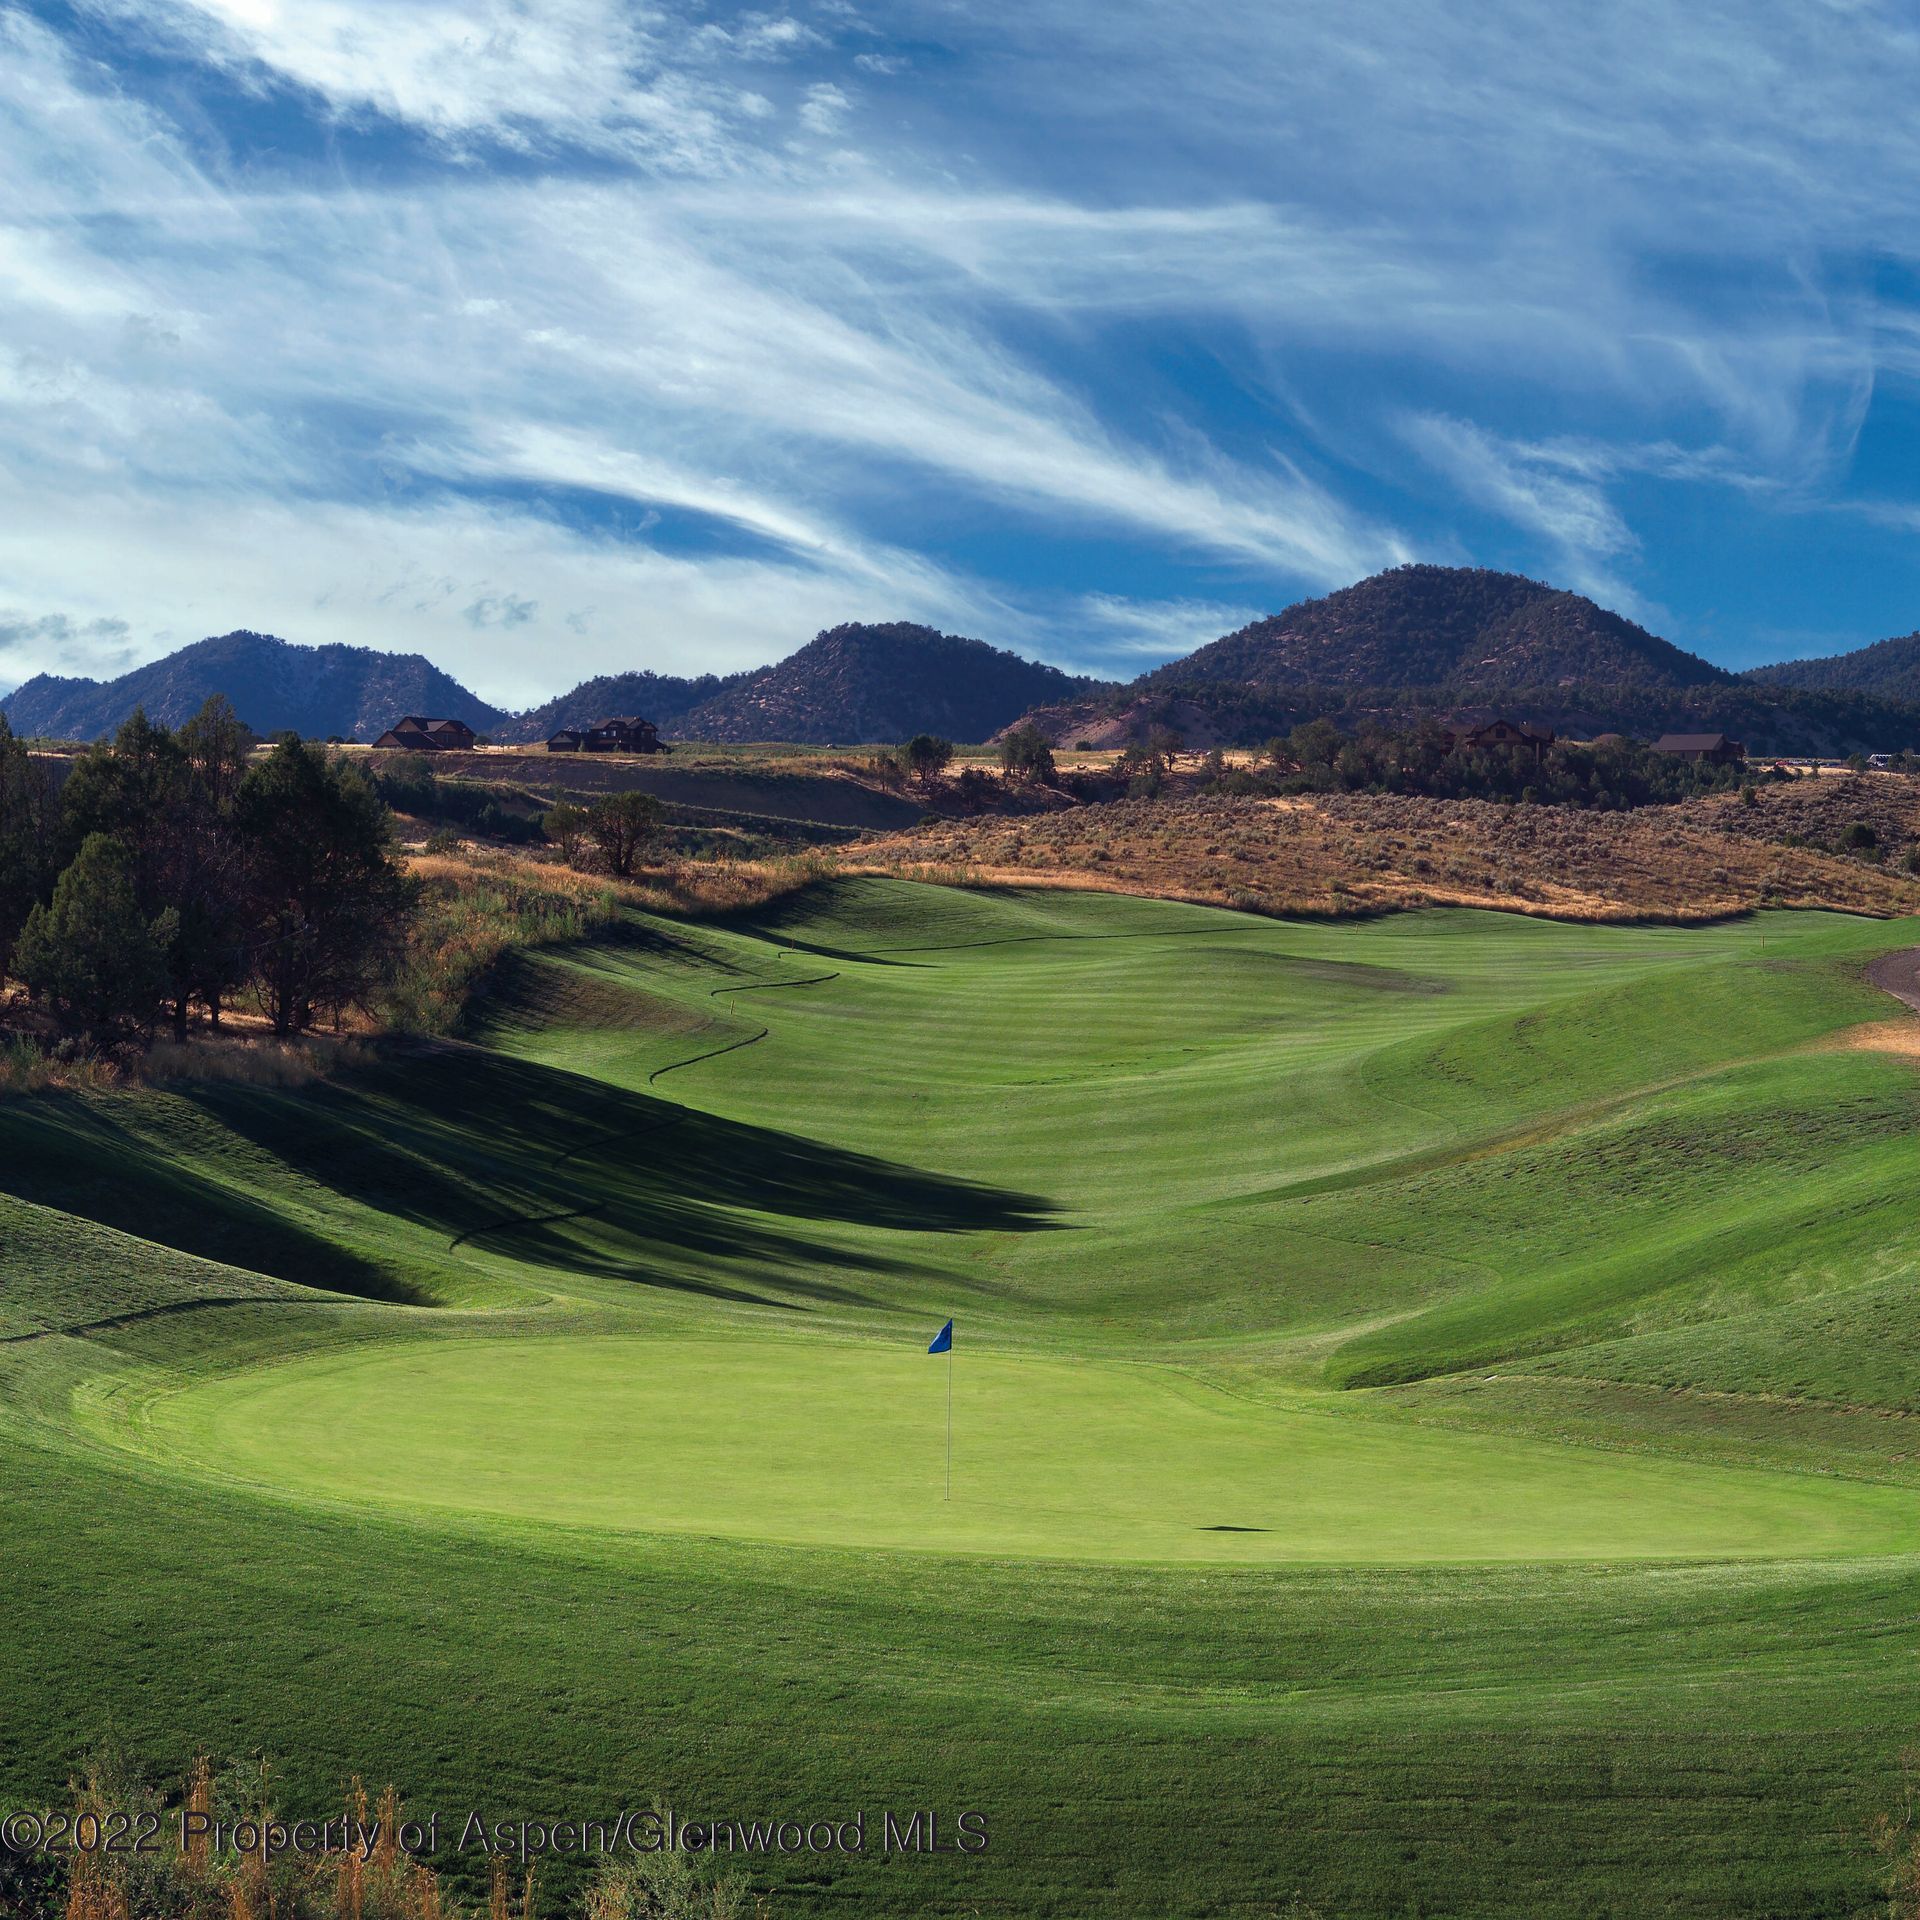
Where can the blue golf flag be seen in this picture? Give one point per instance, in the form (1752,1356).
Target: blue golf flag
(943,1340)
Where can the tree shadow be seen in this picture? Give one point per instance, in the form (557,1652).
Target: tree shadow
(79,1157)
(569,1172)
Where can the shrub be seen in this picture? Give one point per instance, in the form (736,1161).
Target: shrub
(1027,754)
(620,825)
(566,826)
(927,756)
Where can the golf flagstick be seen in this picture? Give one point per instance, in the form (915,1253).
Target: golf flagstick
(942,1342)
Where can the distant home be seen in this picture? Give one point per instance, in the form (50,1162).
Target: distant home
(419,735)
(1468,735)
(1715,747)
(626,733)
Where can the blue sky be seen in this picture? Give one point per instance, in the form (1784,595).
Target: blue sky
(554,337)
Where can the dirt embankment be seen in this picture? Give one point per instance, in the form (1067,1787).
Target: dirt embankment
(831,797)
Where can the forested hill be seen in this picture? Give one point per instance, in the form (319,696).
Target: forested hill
(886,682)
(274,686)
(1889,669)
(853,683)
(1464,629)
(664,698)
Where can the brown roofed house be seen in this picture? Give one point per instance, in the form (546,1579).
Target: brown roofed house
(626,733)
(1469,735)
(420,735)
(1715,747)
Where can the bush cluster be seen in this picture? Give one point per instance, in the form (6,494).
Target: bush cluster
(1317,757)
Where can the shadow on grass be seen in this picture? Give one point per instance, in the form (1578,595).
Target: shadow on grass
(81,1156)
(463,1143)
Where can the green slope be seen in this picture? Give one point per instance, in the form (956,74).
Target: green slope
(1445,1238)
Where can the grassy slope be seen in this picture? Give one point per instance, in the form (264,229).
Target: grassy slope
(1276,1157)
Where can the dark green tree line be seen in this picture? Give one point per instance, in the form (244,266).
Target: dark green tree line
(173,871)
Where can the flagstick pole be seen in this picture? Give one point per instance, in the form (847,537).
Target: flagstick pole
(948,1495)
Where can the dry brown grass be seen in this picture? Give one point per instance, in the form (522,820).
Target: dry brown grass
(1900,1037)
(1815,810)
(477,906)
(1363,853)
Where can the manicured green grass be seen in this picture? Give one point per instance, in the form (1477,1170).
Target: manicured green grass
(819,1441)
(546,1419)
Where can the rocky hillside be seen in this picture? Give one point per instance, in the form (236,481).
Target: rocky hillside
(353,692)
(1889,669)
(860,683)
(1463,630)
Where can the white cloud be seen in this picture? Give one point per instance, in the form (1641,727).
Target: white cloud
(1663,219)
(824,107)
(1155,630)
(237,349)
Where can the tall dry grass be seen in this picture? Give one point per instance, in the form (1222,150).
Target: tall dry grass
(204,1878)
(477,906)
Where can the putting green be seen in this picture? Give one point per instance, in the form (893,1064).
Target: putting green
(822,1441)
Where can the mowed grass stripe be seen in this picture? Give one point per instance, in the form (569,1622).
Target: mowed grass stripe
(825,1443)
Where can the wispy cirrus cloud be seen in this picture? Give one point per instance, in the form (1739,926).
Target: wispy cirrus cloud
(1055,324)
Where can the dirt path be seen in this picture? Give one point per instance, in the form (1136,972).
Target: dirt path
(1899,975)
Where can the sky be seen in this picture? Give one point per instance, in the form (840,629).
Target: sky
(559,337)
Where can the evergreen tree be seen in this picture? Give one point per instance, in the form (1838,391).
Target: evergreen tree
(92,953)
(329,899)
(29,820)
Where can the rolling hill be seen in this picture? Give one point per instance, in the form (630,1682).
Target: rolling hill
(859,682)
(1456,1362)
(664,698)
(1889,669)
(354,692)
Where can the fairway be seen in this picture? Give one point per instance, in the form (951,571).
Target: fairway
(840,1444)
(1407,1371)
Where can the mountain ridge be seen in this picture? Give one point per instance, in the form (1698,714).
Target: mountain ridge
(274,685)
(1414,639)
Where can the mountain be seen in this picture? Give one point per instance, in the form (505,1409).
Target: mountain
(1422,639)
(663,698)
(1889,669)
(856,683)
(354,692)
(853,683)
(1465,631)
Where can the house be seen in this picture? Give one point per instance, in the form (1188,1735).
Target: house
(625,733)
(1715,747)
(1469,735)
(419,735)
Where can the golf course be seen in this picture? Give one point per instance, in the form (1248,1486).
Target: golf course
(1430,1427)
